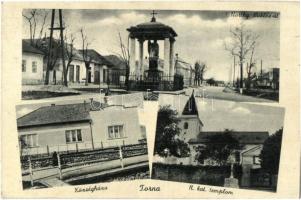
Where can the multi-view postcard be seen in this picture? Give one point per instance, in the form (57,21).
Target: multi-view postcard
(150,100)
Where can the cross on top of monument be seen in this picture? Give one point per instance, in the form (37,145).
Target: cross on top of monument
(153,18)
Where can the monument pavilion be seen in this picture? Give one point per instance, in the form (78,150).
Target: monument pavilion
(151,32)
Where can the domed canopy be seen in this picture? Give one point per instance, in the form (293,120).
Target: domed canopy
(152,30)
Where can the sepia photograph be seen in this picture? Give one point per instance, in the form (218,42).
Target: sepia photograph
(231,55)
(216,142)
(79,142)
(150,99)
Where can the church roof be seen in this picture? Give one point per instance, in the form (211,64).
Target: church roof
(243,137)
(190,106)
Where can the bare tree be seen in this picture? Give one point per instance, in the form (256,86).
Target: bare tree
(250,66)
(87,59)
(37,21)
(69,52)
(125,56)
(243,41)
(200,69)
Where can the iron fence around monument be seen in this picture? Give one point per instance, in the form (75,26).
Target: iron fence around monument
(116,78)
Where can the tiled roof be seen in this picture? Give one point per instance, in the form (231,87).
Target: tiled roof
(96,57)
(117,62)
(56,114)
(243,137)
(27,47)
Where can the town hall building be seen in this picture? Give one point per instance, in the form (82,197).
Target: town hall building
(80,126)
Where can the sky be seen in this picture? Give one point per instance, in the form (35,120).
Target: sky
(201,34)
(218,115)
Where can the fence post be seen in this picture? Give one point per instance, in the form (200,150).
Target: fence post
(121,157)
(59,165)
(76,145)
(123,143)
(30,171)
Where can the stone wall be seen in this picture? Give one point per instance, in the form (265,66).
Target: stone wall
(208,175)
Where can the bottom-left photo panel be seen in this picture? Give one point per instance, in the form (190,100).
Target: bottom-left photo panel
(80,142)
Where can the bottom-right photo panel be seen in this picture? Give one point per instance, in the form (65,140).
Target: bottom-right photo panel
(216,142)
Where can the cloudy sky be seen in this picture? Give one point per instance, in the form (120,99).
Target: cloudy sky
(201,34)
(218,115)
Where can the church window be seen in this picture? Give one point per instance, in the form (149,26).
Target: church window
(186,125)
(73,136)
(115,132)
(256,160)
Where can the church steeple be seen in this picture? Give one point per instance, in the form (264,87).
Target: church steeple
(190,106)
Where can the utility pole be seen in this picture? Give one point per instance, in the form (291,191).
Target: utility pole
(233,71)
(49,48)
(62,47)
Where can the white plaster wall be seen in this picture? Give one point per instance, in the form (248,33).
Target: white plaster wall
(116,115)
(194,127)
(54,137)
(29,58)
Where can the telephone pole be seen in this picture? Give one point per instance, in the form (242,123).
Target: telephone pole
(49,48)
(62,46)
(233,71)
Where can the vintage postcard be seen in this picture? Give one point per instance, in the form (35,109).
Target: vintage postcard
(150,100)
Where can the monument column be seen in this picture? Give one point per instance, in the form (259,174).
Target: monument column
(141,66)
(167,56)
(132,55)
(171,65)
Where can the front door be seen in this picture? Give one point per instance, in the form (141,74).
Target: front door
(71,73)
(104,79)
(77,73)
(89,76)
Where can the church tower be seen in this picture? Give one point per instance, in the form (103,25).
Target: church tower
(190,123)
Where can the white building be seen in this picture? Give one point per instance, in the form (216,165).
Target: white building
(32,64)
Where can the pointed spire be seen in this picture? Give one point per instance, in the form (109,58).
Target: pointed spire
(190,106)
